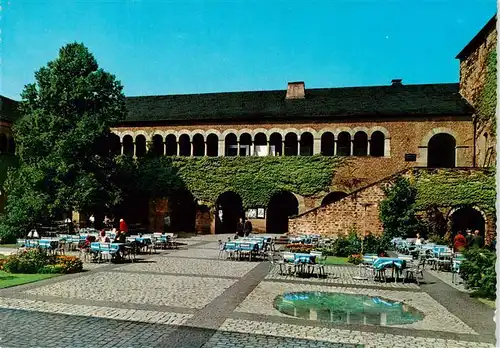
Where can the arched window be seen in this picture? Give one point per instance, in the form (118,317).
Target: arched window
(184,145)
(276,144)
(327,144)
(441,151)
(198,145)
(360,144)
(377,144)
(3,143)
(306,144)
(291,144)
(260,145)
(344,144)
(157,145)
(231,142)
(115,147)
(140,145)
(171,145)
(128,145)
(245,144)
(12,145)
(212,145)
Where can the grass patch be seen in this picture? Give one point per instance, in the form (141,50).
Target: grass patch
(336,260)
(10,246)
(9,279)
(478,295)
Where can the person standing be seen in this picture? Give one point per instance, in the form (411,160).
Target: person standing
(240,228)
(247,228)
(469,237)
(459,242)
(477,240)
(123,226)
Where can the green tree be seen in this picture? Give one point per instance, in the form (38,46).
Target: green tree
(62,142)
(397,210)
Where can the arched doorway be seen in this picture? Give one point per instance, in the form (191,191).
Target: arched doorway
(128,145)
(182,212)
(282,205)
(276,144)
(441,151)
(212,145)
(333,197)
(157,147)
(171,145)
(327,144)
(198,145)
(229,209)
(231,145)
(465,218)
(140,145)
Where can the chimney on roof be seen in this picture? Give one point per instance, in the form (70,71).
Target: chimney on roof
(296,90)
(397,82)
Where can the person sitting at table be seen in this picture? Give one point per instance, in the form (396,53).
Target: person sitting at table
(103,238)
(120,238)
(459,242)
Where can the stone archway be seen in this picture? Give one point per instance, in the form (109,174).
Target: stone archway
(281,207)
(182,211)
(467,217)
(228,210)
(441,152)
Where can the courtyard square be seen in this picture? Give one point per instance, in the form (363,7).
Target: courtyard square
(163,300)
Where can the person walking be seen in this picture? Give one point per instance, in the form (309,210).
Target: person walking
(247,228)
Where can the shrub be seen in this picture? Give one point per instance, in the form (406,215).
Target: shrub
(69,264)
(27,261)
(355,259)
(51,269)
(478,271)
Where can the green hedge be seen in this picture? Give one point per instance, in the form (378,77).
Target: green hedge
(478,271)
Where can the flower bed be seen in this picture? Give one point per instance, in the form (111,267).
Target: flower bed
(38,261)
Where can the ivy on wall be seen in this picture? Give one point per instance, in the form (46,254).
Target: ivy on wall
(456,188)
(255,179)
(487,100)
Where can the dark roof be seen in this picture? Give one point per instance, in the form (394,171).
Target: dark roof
(8,109)
(324,103)
(479,38)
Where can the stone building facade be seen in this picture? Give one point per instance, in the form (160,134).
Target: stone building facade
(473,71)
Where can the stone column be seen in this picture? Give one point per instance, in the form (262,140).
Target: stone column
(192,148)
(237,147)
(134,152)
(269,148)
(298,146)
(368,150)
(251,149)
(335,147)
(387,148)
(317,146)
(206,149)
(165,148)
(121,147)
(178,152)
(222,148)
(352,148)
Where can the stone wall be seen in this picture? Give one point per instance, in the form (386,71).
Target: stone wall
(357,211)
(473,70)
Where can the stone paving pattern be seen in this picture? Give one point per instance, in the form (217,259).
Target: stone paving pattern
(260,301)
(188,298)
(162,290)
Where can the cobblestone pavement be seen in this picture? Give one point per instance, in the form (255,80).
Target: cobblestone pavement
(189,298)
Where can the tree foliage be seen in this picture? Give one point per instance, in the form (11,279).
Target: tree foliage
(398,209)
(62,141)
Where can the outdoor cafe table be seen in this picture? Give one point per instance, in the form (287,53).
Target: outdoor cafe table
(242,245)
(386,262)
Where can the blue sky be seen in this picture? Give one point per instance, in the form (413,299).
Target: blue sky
(165,47)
